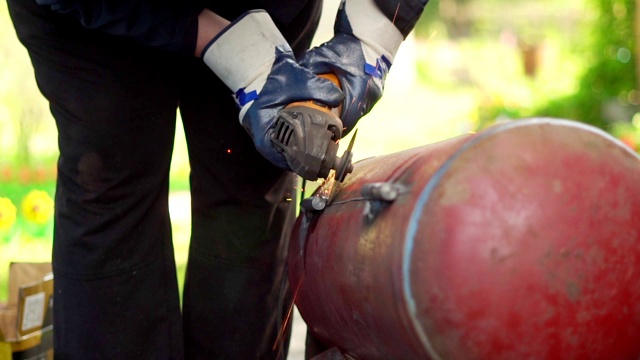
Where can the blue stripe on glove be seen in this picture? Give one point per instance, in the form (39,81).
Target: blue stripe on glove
(378,71)
(243,98)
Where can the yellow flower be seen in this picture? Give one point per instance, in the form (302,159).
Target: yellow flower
(37,207)
(7,214)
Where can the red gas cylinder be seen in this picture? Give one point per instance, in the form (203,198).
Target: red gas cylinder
(518,242)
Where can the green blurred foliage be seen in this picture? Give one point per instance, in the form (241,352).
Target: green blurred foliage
(516,57)
(608,90)
(578,58)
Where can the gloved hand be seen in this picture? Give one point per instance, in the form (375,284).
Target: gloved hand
(366,39)
(255,61)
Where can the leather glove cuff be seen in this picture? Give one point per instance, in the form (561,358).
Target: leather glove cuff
(242,55)
(379,36)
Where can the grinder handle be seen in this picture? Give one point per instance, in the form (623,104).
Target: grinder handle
(334,79)
(336,111)
(308,133)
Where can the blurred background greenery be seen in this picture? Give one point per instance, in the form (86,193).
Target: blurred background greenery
(468,64)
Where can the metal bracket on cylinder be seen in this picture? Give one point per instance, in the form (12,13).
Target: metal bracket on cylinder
(314,203)
(379,196)
(382,191)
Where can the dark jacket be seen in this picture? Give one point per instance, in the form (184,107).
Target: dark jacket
(166,24)
(172,24)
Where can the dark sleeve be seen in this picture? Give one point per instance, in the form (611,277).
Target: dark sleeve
(403,13)
(170,25)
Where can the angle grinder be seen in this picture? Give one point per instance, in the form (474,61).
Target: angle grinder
(308,133)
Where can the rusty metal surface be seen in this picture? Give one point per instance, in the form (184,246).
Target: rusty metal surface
(521,241)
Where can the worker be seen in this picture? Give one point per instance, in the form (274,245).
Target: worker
(115,72)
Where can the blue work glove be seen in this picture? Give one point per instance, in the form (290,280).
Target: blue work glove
(255,61)
(366,40)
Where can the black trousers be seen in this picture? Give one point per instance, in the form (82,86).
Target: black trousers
(116,292)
